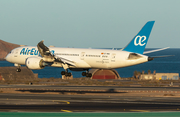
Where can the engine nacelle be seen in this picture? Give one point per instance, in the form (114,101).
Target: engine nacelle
(35,63)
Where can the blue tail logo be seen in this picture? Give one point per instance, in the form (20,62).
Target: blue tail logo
(138,43)
(139,40)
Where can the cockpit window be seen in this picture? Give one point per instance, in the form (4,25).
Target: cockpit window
(11,52)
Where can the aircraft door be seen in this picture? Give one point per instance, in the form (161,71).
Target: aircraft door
(113,57)
(82,55)
(16,52)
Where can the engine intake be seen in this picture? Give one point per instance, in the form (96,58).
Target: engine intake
(35,63)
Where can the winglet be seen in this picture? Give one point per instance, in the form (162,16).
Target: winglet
(138,43)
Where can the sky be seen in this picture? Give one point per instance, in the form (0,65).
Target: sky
(89,23)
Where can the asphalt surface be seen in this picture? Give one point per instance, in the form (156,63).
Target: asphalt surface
(87,99)
(89,87)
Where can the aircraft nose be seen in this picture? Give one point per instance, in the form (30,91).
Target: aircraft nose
(7,58)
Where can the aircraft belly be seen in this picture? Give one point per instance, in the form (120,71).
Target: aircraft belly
(127,63)
(82,64)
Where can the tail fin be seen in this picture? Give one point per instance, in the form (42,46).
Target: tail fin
(138,43)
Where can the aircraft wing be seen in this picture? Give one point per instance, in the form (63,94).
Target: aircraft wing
(49,57)
(67,61)
(146,52)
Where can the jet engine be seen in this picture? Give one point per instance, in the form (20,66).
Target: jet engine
(35,63)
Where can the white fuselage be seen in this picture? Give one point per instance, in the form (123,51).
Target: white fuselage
(82,58)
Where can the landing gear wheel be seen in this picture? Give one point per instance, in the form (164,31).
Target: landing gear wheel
(66,73)
(18,70)
(69,74)
(83,73)
(88,75)
(63,73)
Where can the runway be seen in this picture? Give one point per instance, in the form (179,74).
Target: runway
(79,103)
(29,98)
(86,88)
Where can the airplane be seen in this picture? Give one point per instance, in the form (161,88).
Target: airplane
(77,59)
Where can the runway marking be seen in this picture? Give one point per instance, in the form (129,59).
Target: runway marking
(140,110)
(61,101)
(65,110)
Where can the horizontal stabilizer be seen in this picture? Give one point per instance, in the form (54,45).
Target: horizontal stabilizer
(161,56)
(155,50)
(152,57)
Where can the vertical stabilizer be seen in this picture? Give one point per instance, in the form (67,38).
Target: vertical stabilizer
(138,43)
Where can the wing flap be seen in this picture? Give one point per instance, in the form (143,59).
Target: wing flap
(66,61)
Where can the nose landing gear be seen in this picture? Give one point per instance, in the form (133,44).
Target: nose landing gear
(18,67)
(18,70)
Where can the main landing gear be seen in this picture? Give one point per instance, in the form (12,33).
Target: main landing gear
(67,74)
(87,74)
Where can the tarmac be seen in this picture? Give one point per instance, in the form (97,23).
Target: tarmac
(48,98)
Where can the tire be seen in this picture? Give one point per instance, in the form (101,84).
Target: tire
(69,74)
(18,70)
(63,73)
(89,75)
(83,73)
(66,74)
